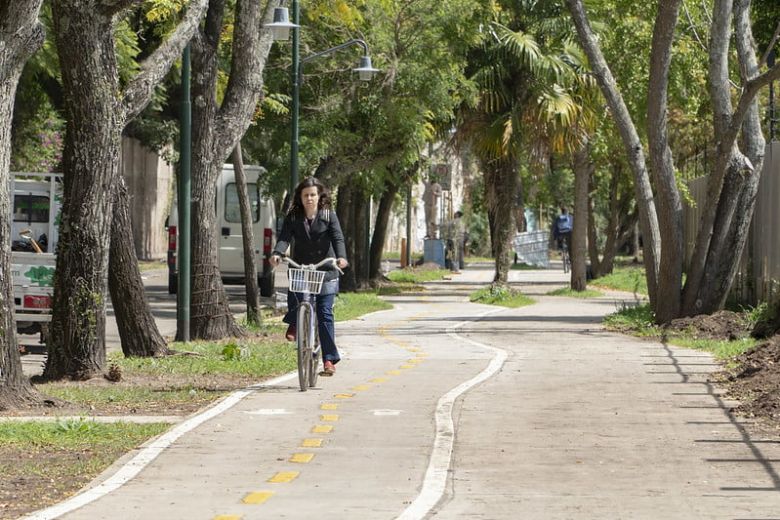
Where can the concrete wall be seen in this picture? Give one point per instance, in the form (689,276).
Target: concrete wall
(149,179)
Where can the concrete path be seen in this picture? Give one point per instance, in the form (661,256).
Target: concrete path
(447,409)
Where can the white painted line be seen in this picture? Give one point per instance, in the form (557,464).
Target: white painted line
(269,411)
(386,412)
(435,479)
(148,454)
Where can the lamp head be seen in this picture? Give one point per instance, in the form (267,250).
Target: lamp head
(280,28)
(365,70)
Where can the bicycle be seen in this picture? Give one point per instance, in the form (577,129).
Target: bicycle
(565,257)
(307,280)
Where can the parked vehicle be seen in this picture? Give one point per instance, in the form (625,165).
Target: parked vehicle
(37,203)
(231,248)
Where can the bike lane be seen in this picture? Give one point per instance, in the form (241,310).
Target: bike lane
(582,424)
(357,446)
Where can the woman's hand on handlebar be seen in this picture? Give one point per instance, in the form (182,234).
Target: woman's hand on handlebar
(341,263)
(275,260)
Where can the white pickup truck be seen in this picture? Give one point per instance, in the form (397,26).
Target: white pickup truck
(37,201)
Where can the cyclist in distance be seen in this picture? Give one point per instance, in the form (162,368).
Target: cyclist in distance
(312,231)
(562,229)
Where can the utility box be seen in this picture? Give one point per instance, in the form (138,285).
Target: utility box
(433,251)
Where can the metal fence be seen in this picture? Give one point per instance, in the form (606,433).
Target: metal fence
(758,278)
(532,248)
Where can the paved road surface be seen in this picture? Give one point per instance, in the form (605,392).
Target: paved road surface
(452,410)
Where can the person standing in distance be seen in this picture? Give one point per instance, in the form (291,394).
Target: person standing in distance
(312,232)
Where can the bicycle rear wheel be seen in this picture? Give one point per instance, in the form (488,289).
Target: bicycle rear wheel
(305,342)
(316,354)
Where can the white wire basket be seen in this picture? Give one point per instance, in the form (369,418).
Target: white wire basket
(305,280)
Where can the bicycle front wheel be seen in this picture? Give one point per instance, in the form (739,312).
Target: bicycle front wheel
(305,342)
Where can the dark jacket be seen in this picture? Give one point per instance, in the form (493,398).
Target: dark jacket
(323,240)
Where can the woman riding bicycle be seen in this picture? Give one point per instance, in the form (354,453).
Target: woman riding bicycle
(312,231)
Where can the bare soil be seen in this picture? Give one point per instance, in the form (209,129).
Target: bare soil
(754,376)
(755,382)
(722,325)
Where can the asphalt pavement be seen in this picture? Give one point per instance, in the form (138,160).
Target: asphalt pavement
(447,409)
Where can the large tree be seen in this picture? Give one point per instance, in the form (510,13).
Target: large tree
(732,182)
(21,34)
(97,108)
(220,117)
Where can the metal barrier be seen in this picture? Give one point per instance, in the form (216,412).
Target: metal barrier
(532,248)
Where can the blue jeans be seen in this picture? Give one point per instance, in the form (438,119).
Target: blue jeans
(325,322)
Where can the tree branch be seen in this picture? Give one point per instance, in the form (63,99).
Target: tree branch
(769,47)
(139,91)
(109,8)
(252,42)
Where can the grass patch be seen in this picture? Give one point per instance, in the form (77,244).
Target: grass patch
(723,350)
(522,266)
(417,276)
(501,295)
(478,260)
(639,321)
(627,279)
(568,291)
(391,255)
(349,306)
(151,265)
(43,463)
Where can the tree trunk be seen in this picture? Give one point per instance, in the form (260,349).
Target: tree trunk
(216,130)
(137,329)
(583,168)
(97,110)
(737,200)
(617,207)
(346,213)
(668,196)
(20,37)
(380,228)
(500,185)
(247,233)
(85,45)
(360,205)
(721,230)
(648,219)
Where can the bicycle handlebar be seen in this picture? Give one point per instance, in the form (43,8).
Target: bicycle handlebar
(332,261)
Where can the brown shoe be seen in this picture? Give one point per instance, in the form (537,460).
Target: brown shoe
(328,369)
(290,334)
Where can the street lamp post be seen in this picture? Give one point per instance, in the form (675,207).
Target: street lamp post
(281,28)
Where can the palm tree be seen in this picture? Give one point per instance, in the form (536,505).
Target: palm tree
(523,108)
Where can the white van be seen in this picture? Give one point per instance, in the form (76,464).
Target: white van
(231,248)
(35,218)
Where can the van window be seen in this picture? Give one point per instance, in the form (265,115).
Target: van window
(232,209)
(31,208)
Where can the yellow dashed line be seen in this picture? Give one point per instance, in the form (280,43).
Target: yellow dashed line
(360,388)
(329,406)
(311,443)
(393,372)
(329,417)
(344,396)
(407,366)
(227,517)
(378,380)
(415,360)
(302,458)
(258,497)
(284,476)
(413,349)
(322,428)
